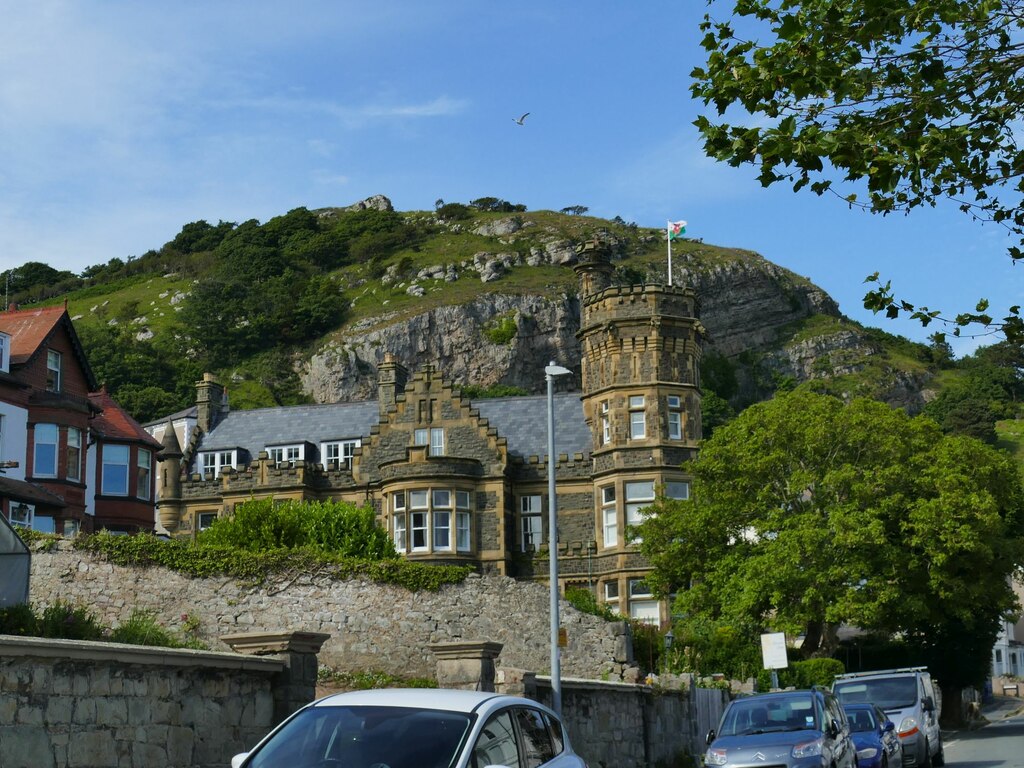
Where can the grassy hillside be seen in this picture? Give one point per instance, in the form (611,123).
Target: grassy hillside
(246,300)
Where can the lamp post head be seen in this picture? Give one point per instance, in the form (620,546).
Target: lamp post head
(669,639)
(552,370)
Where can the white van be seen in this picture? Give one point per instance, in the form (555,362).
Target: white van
(908,698)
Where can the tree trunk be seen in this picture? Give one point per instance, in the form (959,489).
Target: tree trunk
(953,715)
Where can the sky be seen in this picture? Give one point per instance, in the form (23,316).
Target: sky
(122,121)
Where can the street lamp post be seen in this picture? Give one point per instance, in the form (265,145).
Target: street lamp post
(550,372)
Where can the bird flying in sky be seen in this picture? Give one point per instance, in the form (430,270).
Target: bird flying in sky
(519,120)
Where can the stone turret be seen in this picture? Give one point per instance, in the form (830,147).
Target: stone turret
(169,495)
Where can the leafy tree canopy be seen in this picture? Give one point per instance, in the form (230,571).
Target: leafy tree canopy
(807,513)
(914,100)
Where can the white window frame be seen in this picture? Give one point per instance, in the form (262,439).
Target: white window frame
(112,458)
(143,473)
(286,453)
(441,519)
(531,522)
(606,424)
(53,370)
(637,418)
(203,516)
(675,417)
(5,352)
(55,443)
(213,462)
(609,516)
(419,520)
(611,592)
(639,494)
(437,441)
(73,451)
(642,605)
(339,452)
(421,436)
(399,523)
(22,515)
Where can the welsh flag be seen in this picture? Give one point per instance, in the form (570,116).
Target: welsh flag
(676,229)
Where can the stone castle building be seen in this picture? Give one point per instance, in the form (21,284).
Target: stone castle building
(460,481)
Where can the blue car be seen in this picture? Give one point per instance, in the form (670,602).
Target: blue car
(874,735)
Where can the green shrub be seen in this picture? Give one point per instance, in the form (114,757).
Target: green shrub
(65,621)
(475,392)
(361,681)
(583,600)
(18,619)
(502,330)
(142,628)
(803,674)
(263,525)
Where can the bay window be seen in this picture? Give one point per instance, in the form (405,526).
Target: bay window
(143,473)
(114,476)
(637,418)
(431,520)
(609,516)
(44,462)
(74,454)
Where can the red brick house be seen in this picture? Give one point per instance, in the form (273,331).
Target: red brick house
(53,431)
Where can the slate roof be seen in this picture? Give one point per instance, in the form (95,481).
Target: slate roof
(256,429)
(522,420)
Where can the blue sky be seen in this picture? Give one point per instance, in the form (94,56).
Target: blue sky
(122,121)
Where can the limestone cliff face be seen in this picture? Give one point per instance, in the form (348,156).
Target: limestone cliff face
(749,307)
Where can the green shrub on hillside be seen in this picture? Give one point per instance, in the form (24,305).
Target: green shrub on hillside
(262,525)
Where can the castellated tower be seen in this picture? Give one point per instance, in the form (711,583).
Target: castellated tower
(640,357)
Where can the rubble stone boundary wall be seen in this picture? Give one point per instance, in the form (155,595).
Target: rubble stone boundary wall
(371,626)
(71,704)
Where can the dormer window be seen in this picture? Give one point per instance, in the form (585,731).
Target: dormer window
(214,461)
(5,353)
(52,371)
(285,453)
(339,452)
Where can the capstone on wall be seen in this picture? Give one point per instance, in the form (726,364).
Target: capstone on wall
(372,626)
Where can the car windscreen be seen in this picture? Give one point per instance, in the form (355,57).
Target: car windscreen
(398,737)
(862,719)
(886,692)
(763,715)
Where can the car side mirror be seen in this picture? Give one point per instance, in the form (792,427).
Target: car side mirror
(237,760)
(833,729)
(889,726)
(928,704)
(710,737)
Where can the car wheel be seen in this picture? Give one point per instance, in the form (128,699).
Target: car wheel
(940,756)
(926,761)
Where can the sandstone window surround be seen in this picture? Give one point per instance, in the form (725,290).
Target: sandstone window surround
(214,461)
(639,494)
(675,417)
(637,418)
(610,516)
(642,605)
(432,437)
(422,520)
(531,522)
(204,520)
(606,424)
(53,370)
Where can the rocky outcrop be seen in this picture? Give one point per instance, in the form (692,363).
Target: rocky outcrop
(454,339)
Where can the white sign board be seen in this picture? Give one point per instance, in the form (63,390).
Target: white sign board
(773,650)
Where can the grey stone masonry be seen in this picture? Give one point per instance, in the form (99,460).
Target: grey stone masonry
(70,704)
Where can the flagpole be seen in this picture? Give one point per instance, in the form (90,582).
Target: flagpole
(668,237)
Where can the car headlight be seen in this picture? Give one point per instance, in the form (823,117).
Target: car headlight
(808,749)
(867,753)
(715,757)
(908,727)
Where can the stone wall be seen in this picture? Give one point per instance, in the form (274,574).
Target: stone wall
(372,626)
(69,704)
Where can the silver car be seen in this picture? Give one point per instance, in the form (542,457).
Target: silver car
(416,728)
(795,729)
